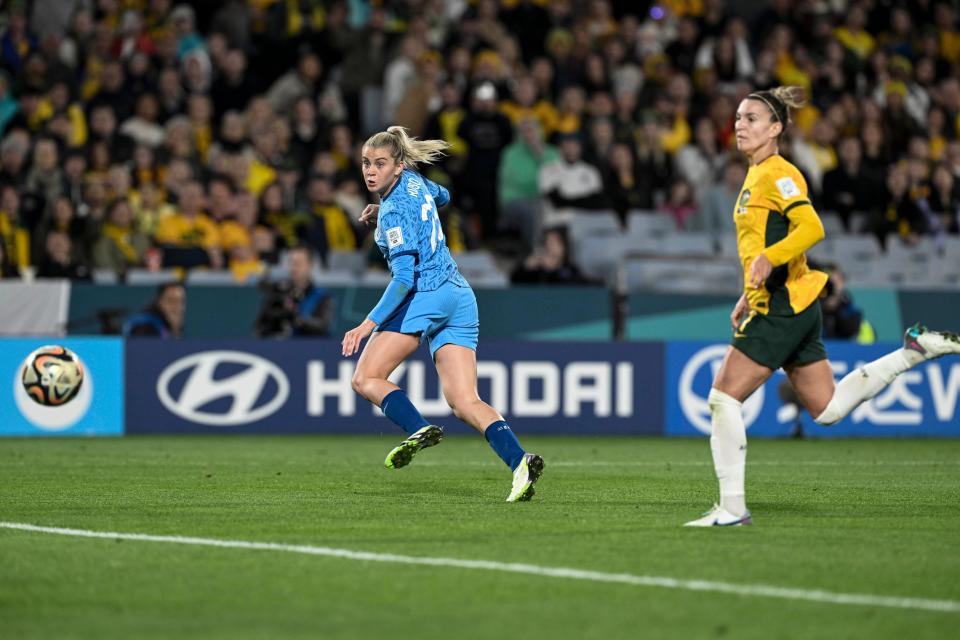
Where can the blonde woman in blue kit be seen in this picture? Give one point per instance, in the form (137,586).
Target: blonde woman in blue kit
(427,298)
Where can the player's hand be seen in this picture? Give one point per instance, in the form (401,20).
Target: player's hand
(352,339)
(738,312)
(760,270)
(370,213)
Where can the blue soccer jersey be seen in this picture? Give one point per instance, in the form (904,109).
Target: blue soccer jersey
(409,224)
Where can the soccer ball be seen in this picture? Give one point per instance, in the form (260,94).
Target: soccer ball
(52,375)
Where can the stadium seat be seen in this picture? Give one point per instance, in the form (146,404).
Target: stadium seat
(584,223)
(686,275)
(146,277)
(104,276)
(653,223)
(832,223)
(727,245)
(686,243)
(856,255)
(217,277)
(354,261)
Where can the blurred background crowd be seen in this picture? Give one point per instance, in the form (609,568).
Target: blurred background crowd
(145,134)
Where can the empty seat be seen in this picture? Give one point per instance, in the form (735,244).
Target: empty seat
(355,261)
(832,223)
(686,243)
(687,275)
(218,277)
(104,276)
(640,221)
(583,223)
(146,277)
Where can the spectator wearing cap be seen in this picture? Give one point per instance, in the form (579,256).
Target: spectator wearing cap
(487,131)
(184,22)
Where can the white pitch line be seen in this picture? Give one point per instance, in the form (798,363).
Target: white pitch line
(759,590)
(707,463)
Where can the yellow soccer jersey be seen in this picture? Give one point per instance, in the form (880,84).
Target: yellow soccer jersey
(774,217)
(177,229)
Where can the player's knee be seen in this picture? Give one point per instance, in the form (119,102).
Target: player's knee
(460,404)
(830,415)
(718,401)
(360,383)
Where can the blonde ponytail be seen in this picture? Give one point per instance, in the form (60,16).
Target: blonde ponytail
(406,149)
(780,101)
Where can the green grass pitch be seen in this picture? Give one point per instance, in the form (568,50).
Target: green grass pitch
(879,518)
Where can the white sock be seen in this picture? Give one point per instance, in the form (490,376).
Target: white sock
(866,382)
(729,446)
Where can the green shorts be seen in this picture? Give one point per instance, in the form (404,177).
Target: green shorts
(781,341)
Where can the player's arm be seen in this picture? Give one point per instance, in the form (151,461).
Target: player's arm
(790,197)
(438,192)
(807,231)
(393,296)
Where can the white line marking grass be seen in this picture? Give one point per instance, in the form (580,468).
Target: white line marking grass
(750,590)
(706,463)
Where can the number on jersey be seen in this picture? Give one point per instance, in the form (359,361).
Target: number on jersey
(436,230)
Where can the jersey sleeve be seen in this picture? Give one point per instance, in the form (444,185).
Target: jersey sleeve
(439,193)
(398,226)
(787,194)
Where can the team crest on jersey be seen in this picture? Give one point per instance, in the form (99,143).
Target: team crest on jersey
(744,199)
(788,188)
(394,237)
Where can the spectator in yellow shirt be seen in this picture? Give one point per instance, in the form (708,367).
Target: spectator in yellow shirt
(189,237)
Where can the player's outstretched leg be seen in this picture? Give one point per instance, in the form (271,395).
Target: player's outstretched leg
(919,345)
(401,455)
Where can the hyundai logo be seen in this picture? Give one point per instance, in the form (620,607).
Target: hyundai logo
(243,388)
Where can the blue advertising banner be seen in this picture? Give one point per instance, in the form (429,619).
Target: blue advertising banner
(303,386)
(97,410)
(919,403)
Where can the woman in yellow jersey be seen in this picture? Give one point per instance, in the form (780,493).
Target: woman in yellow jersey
(777,322)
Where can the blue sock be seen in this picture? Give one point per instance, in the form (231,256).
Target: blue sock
(504,443)
(397,406)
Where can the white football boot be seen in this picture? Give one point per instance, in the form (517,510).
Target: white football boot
(720,517)
(524,477)
(930,344)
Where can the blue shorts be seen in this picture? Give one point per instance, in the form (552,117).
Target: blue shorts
(445,316)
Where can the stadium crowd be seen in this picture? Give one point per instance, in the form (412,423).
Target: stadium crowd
(148,134)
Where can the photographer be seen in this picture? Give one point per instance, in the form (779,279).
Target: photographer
(842,318)
(295,307)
